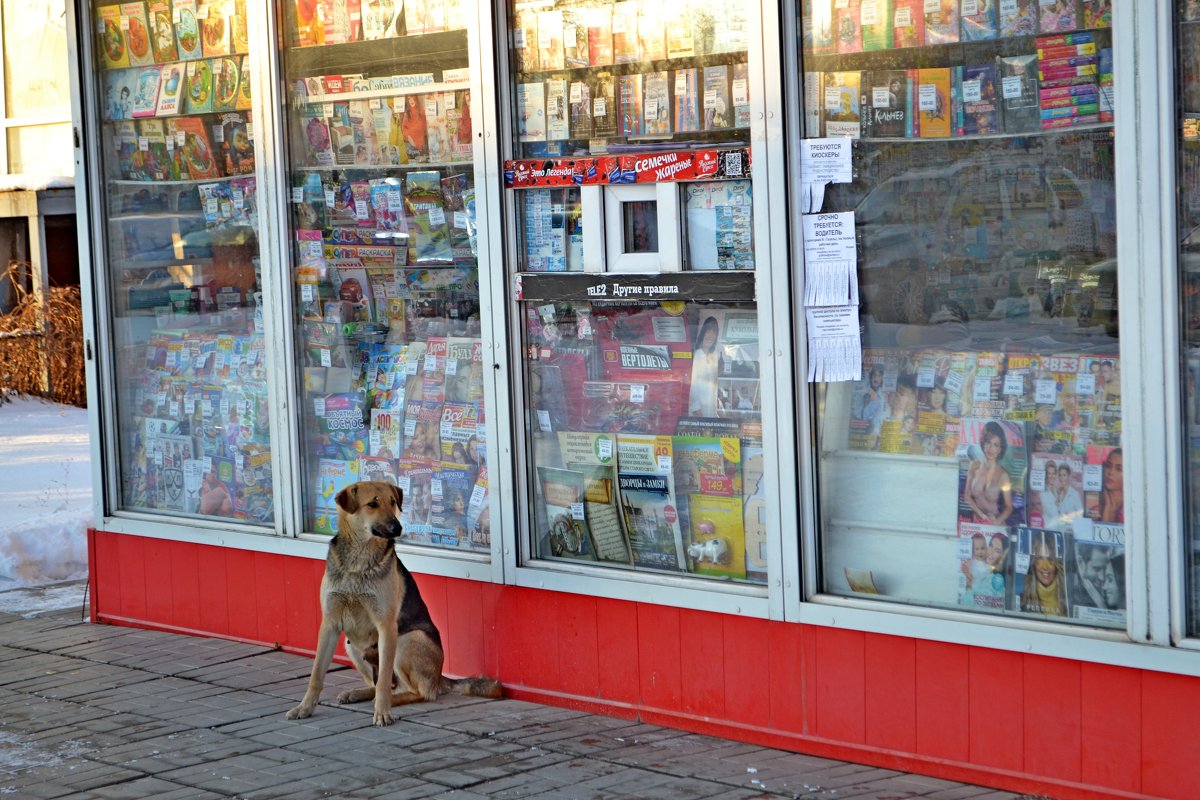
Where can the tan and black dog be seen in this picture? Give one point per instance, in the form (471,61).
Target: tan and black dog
(370,596)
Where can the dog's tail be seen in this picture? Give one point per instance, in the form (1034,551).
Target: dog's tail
(478,686)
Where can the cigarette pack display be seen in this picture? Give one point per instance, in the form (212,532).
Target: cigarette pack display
(941,21)
(979,20)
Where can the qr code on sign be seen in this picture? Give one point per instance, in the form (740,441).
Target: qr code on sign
(733,165)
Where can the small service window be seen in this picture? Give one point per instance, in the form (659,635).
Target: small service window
(639,227)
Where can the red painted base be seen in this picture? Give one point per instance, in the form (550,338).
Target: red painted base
(1020,722)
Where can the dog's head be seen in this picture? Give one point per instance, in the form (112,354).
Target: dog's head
(371,508)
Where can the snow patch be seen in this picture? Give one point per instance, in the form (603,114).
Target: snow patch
(42,599)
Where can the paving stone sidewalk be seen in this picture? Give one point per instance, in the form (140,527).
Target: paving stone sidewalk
(97,711)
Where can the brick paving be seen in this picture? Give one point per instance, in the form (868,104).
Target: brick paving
(96,711)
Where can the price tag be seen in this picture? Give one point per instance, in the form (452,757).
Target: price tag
(1046,392)
(144,143)
(680,83)
(451,366)
(239,198)
(1010,87)
(710,99)
(374,104)
(903,17)
(431,108)
(1014,384)
(202,12)
(174,407)
(460,220)
(1085,383)
(575,94)
(982,391)
(664,464)
(158,457)
(330,198)
(124,23)
(933,6)
(604,448)
(477,495)
(637,393)
(1037,480)
(361,211)
(326,358)
(833,98)
(618,23)
(741,92)
(224,407)
(1008,7)
(651,109)
(972,91)
(449,100)
(410,427)
(1093,477)
(170,144)
(599,107)
(297,194)
(577,511)
(307,292)
(211,207)
(206,408)
(841,3)
(926,97)
(881,97)
(925,377)
(544,420)
(437,216)
(970,8)
(410,367)
(218,134)
(405,484)
(181,138)
(869,13)
(955,380)
(435,487)
(519,38)
(395,201)
(189,405)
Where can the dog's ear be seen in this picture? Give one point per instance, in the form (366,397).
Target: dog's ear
(399,497)
(347,499)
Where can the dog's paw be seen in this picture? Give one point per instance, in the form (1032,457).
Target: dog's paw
(299,712)
(356,695)
(382,720)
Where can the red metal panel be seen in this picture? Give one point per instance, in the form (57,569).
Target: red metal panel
(658,641)
(890,692)
(185,585)
(942,700)
(701,648)
(104,573)
(499,606)
(270,589)
(433,592)
(216,590)
(464,648)
(1170,746)
(1053,745)
(243,599)
(996,718)
(789,676)
(536,662)
(578,655)
(1110,727)
(617,640)
(302,590)
(840,711)
(131,552)
(159,594)
(747,643)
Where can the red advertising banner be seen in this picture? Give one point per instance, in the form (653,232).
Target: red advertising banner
(677,165)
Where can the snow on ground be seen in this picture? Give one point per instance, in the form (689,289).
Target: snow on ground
(45,493)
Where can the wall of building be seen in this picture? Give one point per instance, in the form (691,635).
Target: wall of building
(1022,722)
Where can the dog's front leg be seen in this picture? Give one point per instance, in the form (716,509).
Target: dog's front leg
(383,675)
(326,641)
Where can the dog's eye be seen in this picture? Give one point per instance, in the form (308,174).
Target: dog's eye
(373,504)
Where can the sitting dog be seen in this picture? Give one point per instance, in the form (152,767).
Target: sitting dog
(370,596)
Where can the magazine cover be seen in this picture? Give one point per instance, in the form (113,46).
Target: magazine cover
(457,428)
(1097,13)
(421,427)
(717,538)
(1039,579)
(594,456)
(1096,573)
(939,376)
(333,475)
(1055,497)
(564,520)
(908,23)
(380,18)
(993,462)
(981,99)
(384,441)
(1057,16)
(429,231)
(450,489)
(941,21)
(479,526)
(1104,484)
(415,478)
(843,113)
(979,20)
(869,398)
(985,567)
(651,520)
(652,406)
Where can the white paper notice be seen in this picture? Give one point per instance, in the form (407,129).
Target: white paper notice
(834,344)
(830,260)
(822,162)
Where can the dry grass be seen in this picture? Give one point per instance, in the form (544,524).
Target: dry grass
(21,354)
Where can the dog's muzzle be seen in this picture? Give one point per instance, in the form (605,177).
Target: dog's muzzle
(388,530)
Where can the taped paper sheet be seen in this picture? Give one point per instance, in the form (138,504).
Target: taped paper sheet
(834,344)
(822,162)
(830,260)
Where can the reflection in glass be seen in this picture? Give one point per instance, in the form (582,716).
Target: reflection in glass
(639,221)
(1189,278)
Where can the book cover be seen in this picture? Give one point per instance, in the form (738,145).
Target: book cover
(1097,13)
(162,31)
(687,100)
(579,98)
(564,521)
(630,92)
(941,21)
(933,102)
(226,79)
(652,32)
(575,38)
(600,37)
(196,148)
(1018,17)
(980,21)
(651,520)
(656,103)
(531,112)
(888,114)
(380,18)
(985,566)
(1039,579)
(605,122)
(239,33)
(558,125)
(1057,16)
(877,22)
(739,82)
(199,92)
(680,42)
(429,232)
(187,29)
(170,91)
(842,104)
(993,462)
(847,25)
(114,50)
(981,100)
(594,455)
(652,406)
(137,34)
(625,32)
(551,54)
(214,29)
(1055,497)
(718,100)
(817,27)
(1019,92)
(1095,563)
(908,23)
(237,148)
(525,40)
(119,87)
(707,465)
(146,90)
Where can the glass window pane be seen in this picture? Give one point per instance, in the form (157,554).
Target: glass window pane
(1189,277)
(977,464)
(35,59)
(181,250)
(385,265)
(41,149)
